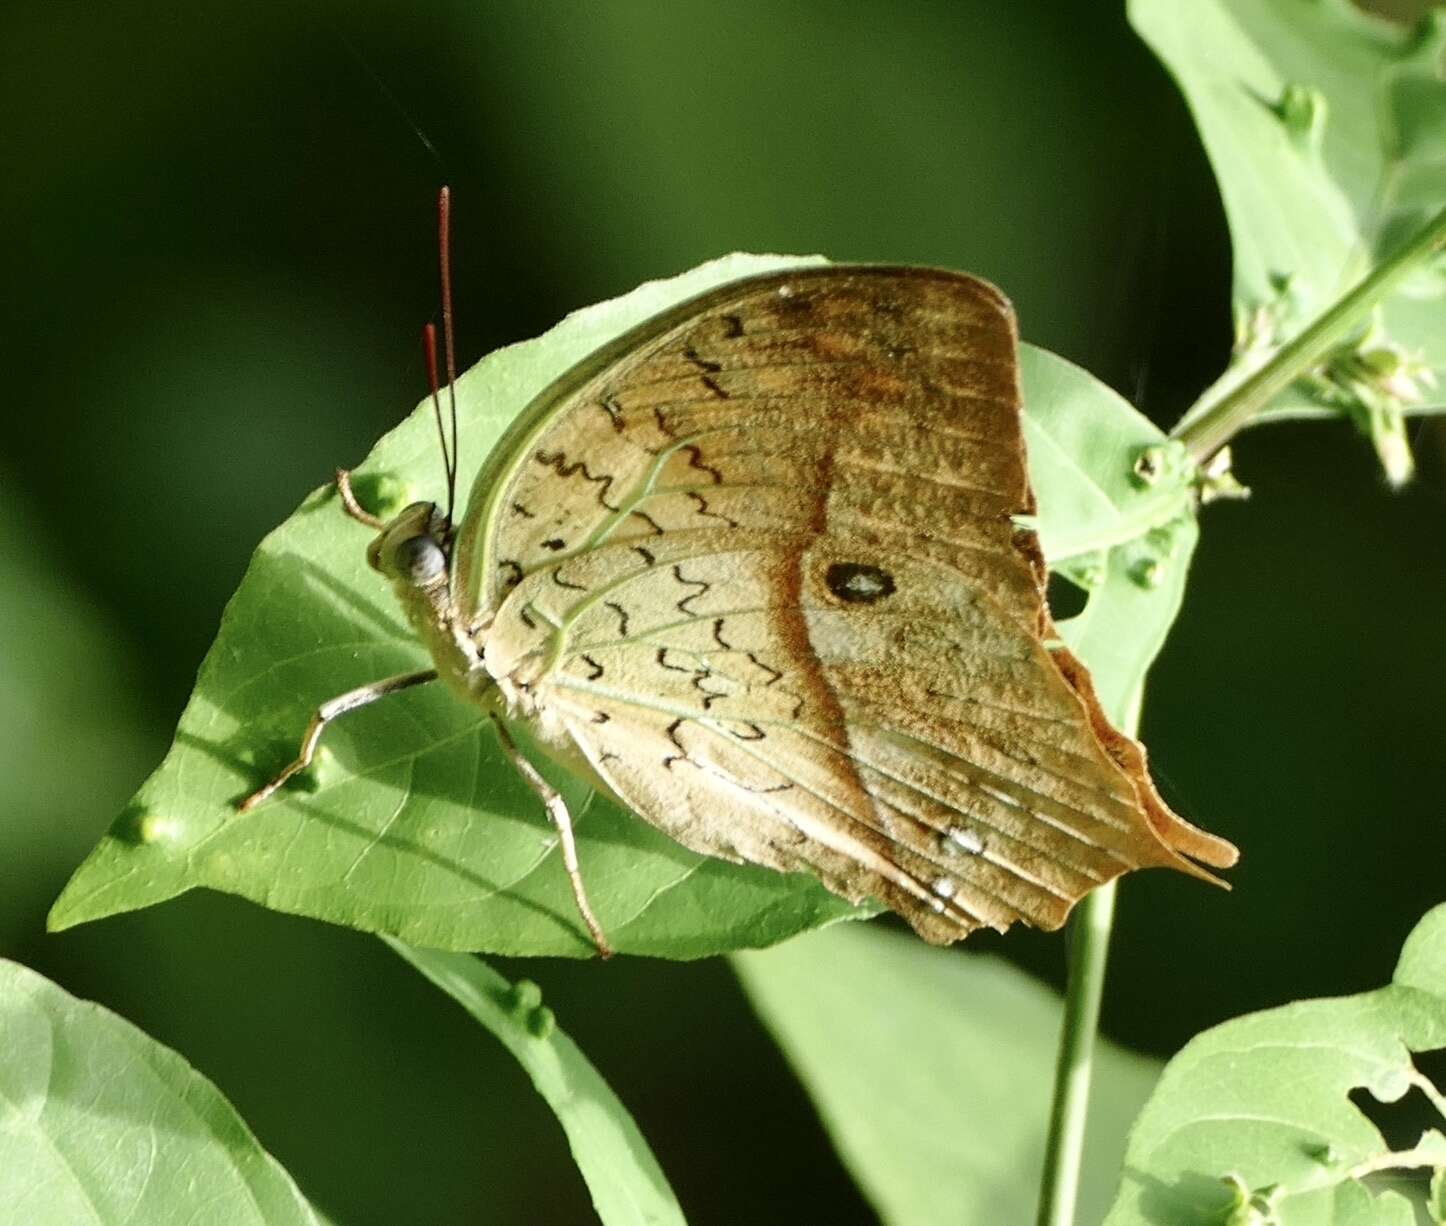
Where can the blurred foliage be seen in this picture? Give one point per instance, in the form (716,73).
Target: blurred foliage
(219,241)
(69,695)
(627,1187)
(938,1088)
(103,1124)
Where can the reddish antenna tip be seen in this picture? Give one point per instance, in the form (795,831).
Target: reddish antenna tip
(429,351)
(449,350)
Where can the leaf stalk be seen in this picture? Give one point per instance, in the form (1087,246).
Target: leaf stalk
(1211,429)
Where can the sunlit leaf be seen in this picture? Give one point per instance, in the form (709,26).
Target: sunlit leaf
(101,1124)
(1087,448)
(1135,594)
(1257,1109)
(416,826)
(1326,128)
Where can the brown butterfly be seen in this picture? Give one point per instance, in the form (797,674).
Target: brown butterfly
(755,570)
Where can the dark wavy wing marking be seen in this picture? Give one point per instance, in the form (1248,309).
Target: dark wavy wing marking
(747,789)
(939,813)
(774,593)
(745,408)
(722,732)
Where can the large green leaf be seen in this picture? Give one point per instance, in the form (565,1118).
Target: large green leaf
(101,1124)
(1326,128)
(1257,1108)
(933,1070)
(1135,593)
(416,826)
(627,1185)
(1087,448)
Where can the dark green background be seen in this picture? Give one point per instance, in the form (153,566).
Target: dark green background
(218,233)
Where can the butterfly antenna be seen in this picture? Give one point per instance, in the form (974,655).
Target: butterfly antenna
(444,231)
(429,351)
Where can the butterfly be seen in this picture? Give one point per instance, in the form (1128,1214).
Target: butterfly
(758,569)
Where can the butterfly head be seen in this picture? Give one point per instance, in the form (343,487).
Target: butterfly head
(411,548)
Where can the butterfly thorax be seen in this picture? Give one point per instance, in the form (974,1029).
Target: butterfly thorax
(453,649)
(409,552)
(458,650)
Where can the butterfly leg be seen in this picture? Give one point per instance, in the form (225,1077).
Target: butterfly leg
(351,506)
(557,811)
(329,711)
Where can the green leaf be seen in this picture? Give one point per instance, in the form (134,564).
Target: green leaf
(1116,512)
(1326,128)
(1085,443)
(1116,516)
(1135,594)
(933,1070)
(1258,1106)
(101,1124)
(416,826)
(627,1185)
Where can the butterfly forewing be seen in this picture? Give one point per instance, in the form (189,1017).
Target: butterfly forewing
(757,564)
(761,375)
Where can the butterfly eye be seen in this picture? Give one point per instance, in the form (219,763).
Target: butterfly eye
(418,559)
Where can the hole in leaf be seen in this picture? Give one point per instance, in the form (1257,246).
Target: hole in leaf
(1066,599)
(1401,1122)
(1432,1066)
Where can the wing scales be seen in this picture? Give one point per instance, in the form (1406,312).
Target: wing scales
(703,717)
(759,569)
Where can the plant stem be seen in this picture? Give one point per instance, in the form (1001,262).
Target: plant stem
(1425,1154)
(1208,432)
(1428,1088)
(1089,927)
(1089,946)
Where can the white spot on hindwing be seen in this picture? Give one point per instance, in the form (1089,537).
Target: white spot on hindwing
(962,839)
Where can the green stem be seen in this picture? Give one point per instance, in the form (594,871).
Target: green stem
(1089,926)
(1208,432)
(1425,1154)
(1089,946)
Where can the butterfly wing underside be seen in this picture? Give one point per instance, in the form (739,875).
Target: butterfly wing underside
(757,565)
